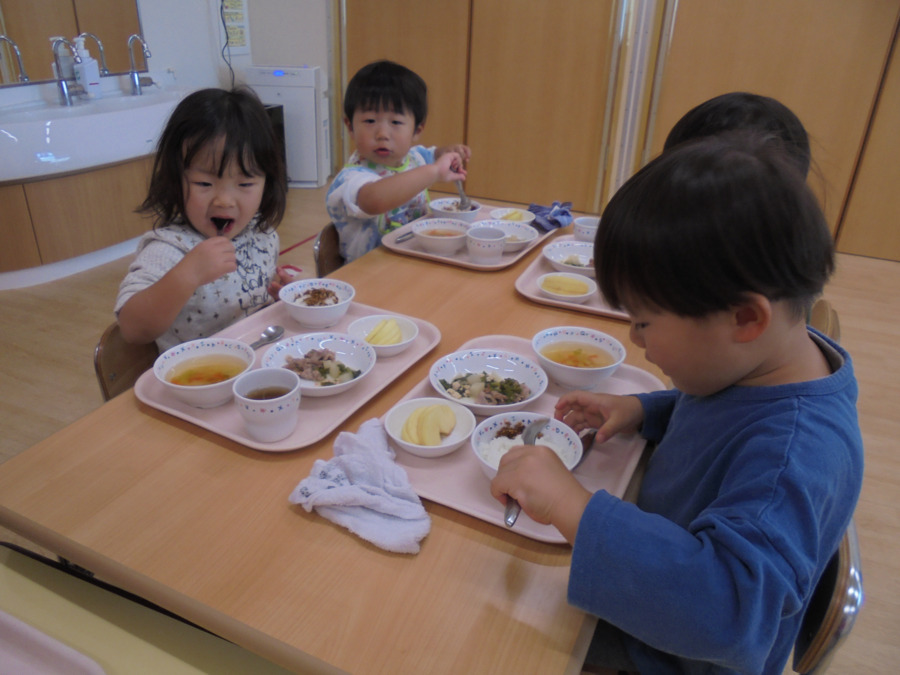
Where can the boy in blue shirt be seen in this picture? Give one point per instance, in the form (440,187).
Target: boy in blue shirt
(716,249)
(385,182)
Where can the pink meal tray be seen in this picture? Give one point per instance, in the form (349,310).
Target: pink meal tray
(527,285)
(318,416)
(456,480)
(409,246)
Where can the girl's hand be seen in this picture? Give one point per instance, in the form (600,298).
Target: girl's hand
(607,413)
(546,490)
(283,276)
(450,167)
(209,260)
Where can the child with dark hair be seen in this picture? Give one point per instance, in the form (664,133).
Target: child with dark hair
(737,111)
(715,249)
(385,182)
(218,191)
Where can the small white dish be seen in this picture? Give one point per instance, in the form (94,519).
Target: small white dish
(500,363)
(361,328)
(556,285)
(354,354)
(518,235)
(558,436)
(571,256)
(293,296)
(513,215)
(397,416)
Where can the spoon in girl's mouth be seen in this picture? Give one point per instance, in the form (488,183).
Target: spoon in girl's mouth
(221,224)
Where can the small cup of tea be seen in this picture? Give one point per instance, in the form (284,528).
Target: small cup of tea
(485,244)
(268,400)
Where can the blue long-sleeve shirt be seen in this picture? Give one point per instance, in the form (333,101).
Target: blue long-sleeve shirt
(743,503)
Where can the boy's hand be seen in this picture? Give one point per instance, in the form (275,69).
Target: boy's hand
(607,413)
(465,154)
(450,167)
(209,260)
(546,490)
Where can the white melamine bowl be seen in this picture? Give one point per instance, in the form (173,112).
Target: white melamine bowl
(556,435)
(575,377)
(571,256)
(545,281)
(354,354)
(585,228)
(497,362)
(361,328)
(316,316)
(206,395)
(448,207)
(434,235)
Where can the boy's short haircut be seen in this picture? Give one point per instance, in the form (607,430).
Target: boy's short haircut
(385,85)
(737,111)
(709,221)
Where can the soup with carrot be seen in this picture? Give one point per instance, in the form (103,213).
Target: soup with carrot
(578,355)
(207,369)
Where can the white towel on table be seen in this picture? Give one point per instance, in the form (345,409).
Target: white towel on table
(364,490)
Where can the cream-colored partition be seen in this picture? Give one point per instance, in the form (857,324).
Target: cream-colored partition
(430,38)
(871,222)
(822,58)
(537,92)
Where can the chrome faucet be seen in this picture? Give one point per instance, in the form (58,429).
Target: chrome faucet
(135,76)
(64,94)
(22,76)
(104,71)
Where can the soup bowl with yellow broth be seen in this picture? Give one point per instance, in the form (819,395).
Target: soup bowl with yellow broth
(201,372)
(577,358)
(441,236)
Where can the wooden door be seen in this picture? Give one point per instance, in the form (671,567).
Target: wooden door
(431,39)
(871,222)
(537,91)
(821,58)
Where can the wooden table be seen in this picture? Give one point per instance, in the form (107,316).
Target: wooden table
(201,525)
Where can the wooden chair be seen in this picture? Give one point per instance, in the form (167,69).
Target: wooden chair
(832,611)
(327,251)
(118,364)
(824,319)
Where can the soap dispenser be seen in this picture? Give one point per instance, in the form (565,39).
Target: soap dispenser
(87,73)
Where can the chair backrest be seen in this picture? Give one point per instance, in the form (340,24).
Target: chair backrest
(824,318)
(118,364)
(327,251)
(832,610)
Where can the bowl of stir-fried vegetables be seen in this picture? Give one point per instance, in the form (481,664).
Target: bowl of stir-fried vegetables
(488,381)
(327,363)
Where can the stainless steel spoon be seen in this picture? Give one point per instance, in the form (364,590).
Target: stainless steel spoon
(270,334)
(529,436)
(465,204)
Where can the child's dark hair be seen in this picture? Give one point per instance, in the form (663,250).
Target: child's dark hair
(710,221)
(738,111)
(202,118)
(385,85)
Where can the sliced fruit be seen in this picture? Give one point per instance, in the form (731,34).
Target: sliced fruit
(429,427)
(446,418)
(410,432)
(565,286)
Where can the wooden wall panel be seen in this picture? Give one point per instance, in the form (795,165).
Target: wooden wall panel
(871,223)
(428,37)
(31,23)
(113,21)
(821,58)
(85,212)
(19,249)
(538,84)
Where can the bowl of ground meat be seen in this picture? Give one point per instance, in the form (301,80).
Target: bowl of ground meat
(327,363)
(317,303)
(488,381)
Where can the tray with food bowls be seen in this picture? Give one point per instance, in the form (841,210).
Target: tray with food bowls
(452,474)
(563,276)
(399,341)
(441,236)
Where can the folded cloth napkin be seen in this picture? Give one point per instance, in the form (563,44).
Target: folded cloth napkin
(551,217)
(364,490)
